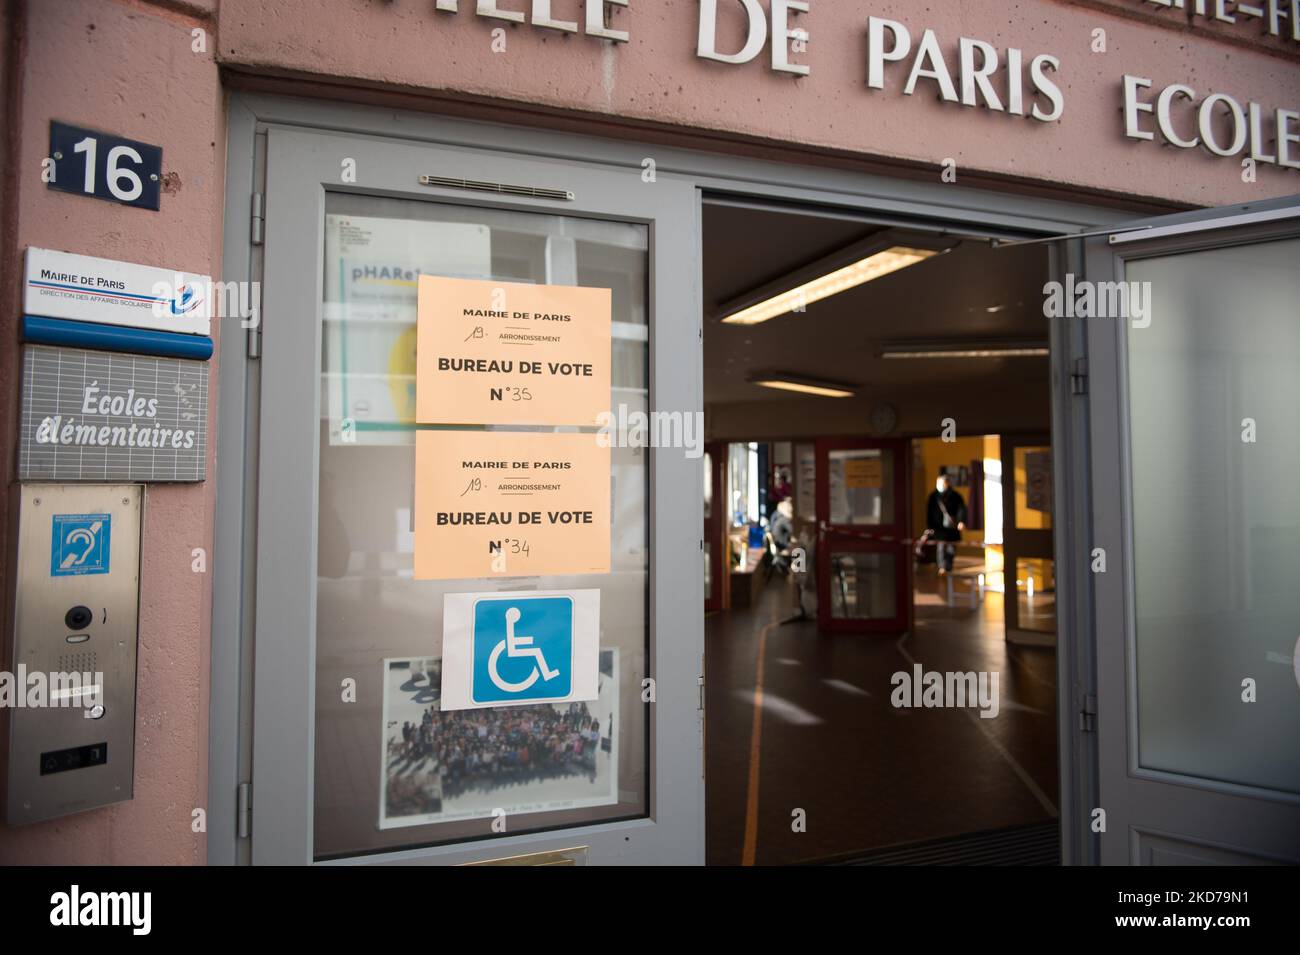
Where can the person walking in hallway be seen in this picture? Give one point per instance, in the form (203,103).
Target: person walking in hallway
(945,516)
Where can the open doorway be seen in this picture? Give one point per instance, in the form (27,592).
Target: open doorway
(998,489)
(863,705)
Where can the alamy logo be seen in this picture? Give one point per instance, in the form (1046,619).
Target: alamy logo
(628,428)
(36,689)
(934,689)
(103,908)
(1082,299)
(182,295)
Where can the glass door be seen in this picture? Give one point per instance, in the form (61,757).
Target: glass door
(1030,569)
(864,567)
(361,748)
(1196,526)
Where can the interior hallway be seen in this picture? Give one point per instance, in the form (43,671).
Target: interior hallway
(867,774)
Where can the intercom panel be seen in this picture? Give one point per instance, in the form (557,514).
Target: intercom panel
(73,659)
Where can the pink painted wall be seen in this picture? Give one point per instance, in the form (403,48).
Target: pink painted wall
(127,67)
(658,78)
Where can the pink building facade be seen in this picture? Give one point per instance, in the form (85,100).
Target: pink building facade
(1082,101)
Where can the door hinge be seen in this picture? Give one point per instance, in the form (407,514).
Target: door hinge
(255,336)
(256,234)
(255,329)
(257,220)
(701,683)
(1079,377)
(1088,713)
(244,810)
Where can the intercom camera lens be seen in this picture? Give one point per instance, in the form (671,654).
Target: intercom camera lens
(78,618)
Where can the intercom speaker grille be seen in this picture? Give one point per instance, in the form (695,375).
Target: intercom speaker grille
(501,188)
(78,661)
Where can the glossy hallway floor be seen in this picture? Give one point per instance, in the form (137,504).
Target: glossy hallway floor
(867,774)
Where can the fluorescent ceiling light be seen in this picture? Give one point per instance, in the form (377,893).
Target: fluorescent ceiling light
(830,283)
(972,350)
(805,386)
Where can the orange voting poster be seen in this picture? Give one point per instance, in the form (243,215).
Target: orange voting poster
(864,472)
(509,353)
(510,504)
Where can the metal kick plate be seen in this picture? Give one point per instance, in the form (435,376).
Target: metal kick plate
(76,613)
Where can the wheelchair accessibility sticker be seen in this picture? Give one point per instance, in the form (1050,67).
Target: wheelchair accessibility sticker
(512,640)
(504,649)
(79,544)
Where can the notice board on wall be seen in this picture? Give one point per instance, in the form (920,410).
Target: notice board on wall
(1038,481)
(864,472)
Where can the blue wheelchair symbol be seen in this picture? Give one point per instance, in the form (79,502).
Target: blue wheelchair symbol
(523,649)
(79,544)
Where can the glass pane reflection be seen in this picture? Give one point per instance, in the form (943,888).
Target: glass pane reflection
(1216,522)
(392,770)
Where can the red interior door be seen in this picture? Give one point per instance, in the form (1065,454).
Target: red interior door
(864,556)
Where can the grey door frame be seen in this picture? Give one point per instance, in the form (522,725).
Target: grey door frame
(302,167)
(253,117)
(1223,820)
